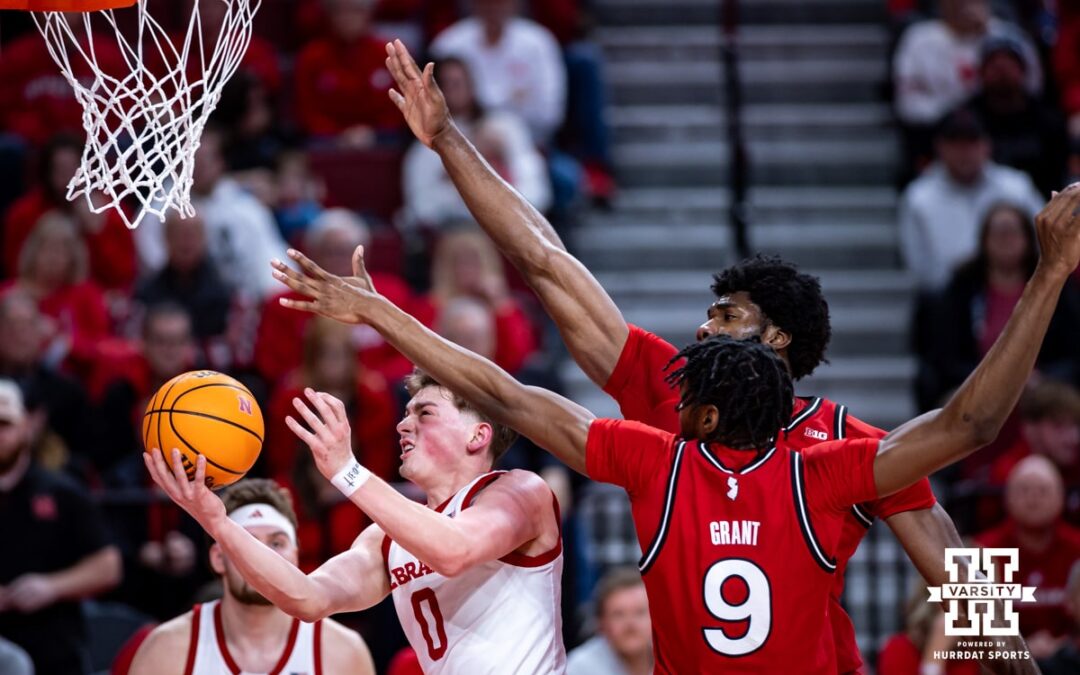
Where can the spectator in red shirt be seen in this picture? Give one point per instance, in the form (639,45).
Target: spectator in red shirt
(110,244)
(36,101)
(53,270)
(1050,427)
(342,81)
(467,265)
(1034,499)
(1066,60)
(330,242)
(330,365)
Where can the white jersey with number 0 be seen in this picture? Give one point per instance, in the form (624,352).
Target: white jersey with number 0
(501,617)
(208,652)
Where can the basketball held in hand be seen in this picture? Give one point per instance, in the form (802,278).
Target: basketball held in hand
(210,414)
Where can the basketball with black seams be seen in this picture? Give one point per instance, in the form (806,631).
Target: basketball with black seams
(206,413)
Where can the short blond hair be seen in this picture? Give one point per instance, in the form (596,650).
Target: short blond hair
(502,436)
(50,223)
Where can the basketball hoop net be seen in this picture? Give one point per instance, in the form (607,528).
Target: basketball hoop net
(144,122)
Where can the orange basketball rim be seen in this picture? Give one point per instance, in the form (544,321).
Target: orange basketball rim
(65,5)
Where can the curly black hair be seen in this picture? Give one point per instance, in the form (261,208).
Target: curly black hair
(788,298)
(748,383)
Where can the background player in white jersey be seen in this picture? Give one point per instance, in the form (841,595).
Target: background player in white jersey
(244,632)
(475,573)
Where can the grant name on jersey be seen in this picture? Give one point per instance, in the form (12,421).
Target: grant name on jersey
(728,532)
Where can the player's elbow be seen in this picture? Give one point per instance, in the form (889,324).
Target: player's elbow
(307,610)
(452,558)
(309,602)
(972,428)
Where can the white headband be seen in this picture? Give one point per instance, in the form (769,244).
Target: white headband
(263,514)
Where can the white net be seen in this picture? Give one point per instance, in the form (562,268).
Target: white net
(145,104)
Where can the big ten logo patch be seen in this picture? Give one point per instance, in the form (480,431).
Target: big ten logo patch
(980,592)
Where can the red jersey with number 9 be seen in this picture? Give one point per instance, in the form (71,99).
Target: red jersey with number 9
(638,385)
(738,546)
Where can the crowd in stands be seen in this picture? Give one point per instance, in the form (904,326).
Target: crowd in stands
(985,94)
(305,150)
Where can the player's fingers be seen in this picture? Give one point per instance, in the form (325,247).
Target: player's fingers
(303,434)
(360,268)
(338,406)
(302,305)
(300,284)
(325,413)
(151,466)
(200,473)
(308,266)
(181,475)
(309,415)
(398,99)
(292,278)
(392,63)
(407,62)
(166,479)
(398,65)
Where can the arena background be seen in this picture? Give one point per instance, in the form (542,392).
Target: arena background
(689,133)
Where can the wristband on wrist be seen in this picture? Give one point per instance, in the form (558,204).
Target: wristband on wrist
(350,478)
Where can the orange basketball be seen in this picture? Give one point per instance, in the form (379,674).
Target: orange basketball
(210,414)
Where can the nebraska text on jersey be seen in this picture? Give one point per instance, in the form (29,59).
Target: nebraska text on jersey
(497,617)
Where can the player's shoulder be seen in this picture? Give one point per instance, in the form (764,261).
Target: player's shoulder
(344,648)
(837,417)
(164,649)
(519,484)
(826,450)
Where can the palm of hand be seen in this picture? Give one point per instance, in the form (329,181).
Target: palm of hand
(425,111)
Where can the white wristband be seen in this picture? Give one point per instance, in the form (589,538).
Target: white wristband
(350,478)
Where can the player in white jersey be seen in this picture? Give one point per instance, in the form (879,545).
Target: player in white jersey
(475,573)
(243,633)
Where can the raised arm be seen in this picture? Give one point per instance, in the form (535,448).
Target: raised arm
(513,513)
(350,581)
(553,422)
(591,325)
(975,414)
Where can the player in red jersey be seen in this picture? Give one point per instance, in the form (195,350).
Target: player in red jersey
(763,297)
(742,532)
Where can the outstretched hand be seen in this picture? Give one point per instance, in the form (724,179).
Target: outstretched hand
(345,299)
(1058,225)
(330,437)
(417,95)
(192,495)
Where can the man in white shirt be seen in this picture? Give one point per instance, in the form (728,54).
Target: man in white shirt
(936,64)
(623,641)
(515,62)
(241,231)
(940,212)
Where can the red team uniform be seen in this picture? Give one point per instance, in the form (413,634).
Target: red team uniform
(638,385)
